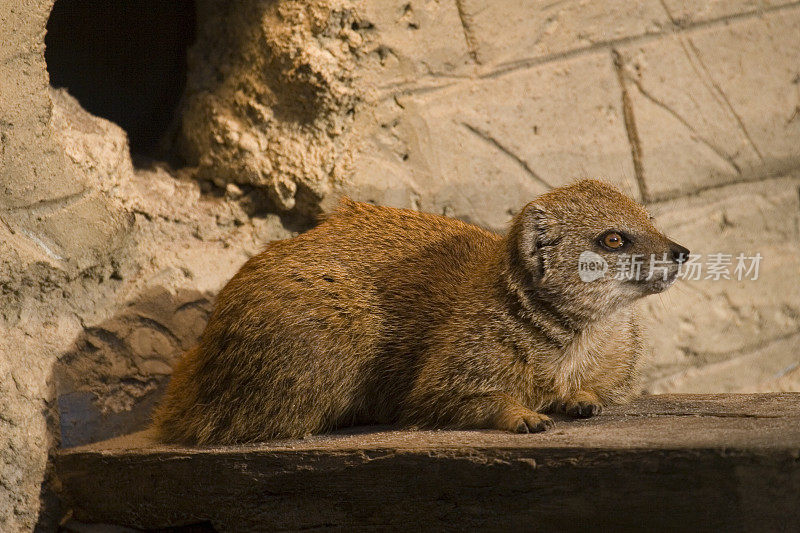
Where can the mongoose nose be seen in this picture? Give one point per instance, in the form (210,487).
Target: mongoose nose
(678,253)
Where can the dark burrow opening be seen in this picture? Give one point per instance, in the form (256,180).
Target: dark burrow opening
(124,60)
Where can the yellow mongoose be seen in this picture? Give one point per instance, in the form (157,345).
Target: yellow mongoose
(382,315)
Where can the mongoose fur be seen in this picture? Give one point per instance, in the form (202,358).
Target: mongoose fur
(382,315)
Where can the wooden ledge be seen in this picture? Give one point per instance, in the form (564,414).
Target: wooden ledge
(666,462)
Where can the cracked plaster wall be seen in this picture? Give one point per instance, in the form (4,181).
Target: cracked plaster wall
(464,107)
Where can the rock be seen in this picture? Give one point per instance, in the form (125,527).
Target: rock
(270,109)
(482,150)
(691,101)
(500,42)
(685,13)
(107,273)
(730,334)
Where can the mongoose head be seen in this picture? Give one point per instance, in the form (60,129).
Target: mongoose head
(589,249)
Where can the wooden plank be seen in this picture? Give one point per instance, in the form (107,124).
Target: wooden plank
(671,462)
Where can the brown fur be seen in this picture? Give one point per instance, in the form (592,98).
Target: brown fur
(382,315)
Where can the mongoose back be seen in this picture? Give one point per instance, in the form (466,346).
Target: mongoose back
(390,316)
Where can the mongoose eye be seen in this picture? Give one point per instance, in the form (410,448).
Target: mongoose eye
(612,240)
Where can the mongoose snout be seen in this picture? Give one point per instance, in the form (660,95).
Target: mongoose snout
(382,315)
(678,253)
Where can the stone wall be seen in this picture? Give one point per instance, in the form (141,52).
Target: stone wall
(464,108)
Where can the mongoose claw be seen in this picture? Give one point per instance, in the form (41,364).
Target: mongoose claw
(535,423)
(583,409)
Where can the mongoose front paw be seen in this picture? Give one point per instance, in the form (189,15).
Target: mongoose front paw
(582,404)
(533,423)
(583,409)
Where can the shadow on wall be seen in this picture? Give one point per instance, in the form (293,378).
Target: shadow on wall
(109,382)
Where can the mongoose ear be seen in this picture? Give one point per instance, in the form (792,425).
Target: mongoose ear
(537,233)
